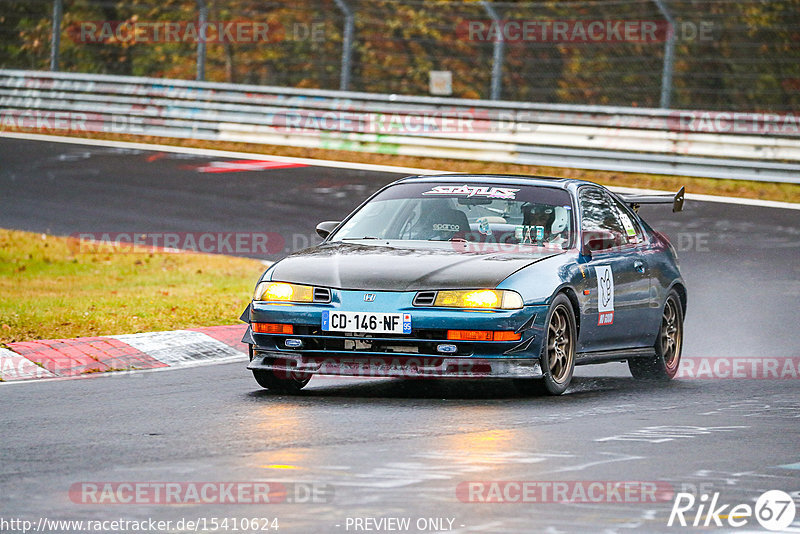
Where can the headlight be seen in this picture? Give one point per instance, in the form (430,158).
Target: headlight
(479,298)
(283,292)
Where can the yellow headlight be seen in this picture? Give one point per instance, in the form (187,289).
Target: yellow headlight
(283,292)
(479,298)
(482,299)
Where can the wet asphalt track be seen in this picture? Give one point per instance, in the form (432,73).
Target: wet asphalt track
(390,448)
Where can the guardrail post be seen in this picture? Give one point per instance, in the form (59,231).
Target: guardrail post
(347,44)
(669,56)
(55,41)
(202,20)
(497,51)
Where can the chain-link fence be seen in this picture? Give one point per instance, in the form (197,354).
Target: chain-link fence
(709,54)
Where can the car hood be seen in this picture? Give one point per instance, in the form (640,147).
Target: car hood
(402,266)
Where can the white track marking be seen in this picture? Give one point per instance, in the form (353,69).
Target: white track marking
(182,348)
(15,367)
(349,165)
(217,153)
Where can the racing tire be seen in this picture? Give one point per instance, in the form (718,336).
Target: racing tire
(557,358)
(292,383)
(669,342)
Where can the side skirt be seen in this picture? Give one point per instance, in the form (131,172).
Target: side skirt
(584,358)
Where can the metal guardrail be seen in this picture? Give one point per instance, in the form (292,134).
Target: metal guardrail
(589,137)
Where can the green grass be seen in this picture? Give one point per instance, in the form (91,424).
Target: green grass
(51,288)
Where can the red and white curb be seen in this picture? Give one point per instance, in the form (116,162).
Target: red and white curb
(85,356)
(246,165)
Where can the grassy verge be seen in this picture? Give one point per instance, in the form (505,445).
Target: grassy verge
(707,186)
(52,289)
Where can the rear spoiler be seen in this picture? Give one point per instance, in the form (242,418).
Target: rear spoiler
(634,201)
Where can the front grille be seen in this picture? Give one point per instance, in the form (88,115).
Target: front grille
(322,294)
(383,346)
(425,298)
(423,342)
(432,335)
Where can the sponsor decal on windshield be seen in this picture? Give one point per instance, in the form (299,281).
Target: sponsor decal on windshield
(484,226)
(529,234)
(473,191)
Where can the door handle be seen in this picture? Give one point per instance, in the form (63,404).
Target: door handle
(639,265)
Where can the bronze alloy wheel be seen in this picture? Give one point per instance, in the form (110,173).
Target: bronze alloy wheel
(670,335)
(560,346)
(669,341)
(557,357)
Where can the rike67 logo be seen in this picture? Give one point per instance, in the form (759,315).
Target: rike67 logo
(774,510)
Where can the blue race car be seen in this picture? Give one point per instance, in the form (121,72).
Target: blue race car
(474,276)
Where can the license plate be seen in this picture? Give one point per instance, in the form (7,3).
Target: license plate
(371,323)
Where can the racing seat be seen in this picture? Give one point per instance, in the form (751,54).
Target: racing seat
(561,220)
(442,224)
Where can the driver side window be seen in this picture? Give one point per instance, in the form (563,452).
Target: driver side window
(597,214)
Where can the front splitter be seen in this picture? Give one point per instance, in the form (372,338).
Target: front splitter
(395,366)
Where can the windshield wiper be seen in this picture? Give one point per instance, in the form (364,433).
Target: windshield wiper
(454,239)
(359,238)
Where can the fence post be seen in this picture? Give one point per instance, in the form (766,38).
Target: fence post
(202,21)
(669,56)
(55,41)
(497,51)
(347,44)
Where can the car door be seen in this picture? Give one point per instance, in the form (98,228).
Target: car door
(649,320)
(616,277)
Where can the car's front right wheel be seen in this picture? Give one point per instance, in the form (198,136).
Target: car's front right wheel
(557,358)
(291,383)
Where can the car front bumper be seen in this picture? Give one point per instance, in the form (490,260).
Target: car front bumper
(415,355)
(283,364)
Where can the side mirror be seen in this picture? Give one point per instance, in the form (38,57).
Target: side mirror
(324,229)
(597,240)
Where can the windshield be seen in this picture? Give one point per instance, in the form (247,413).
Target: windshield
(521,215)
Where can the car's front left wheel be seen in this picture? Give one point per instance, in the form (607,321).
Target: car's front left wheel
(291,383)
(557,358)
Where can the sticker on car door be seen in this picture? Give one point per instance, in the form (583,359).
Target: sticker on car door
(605,295)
